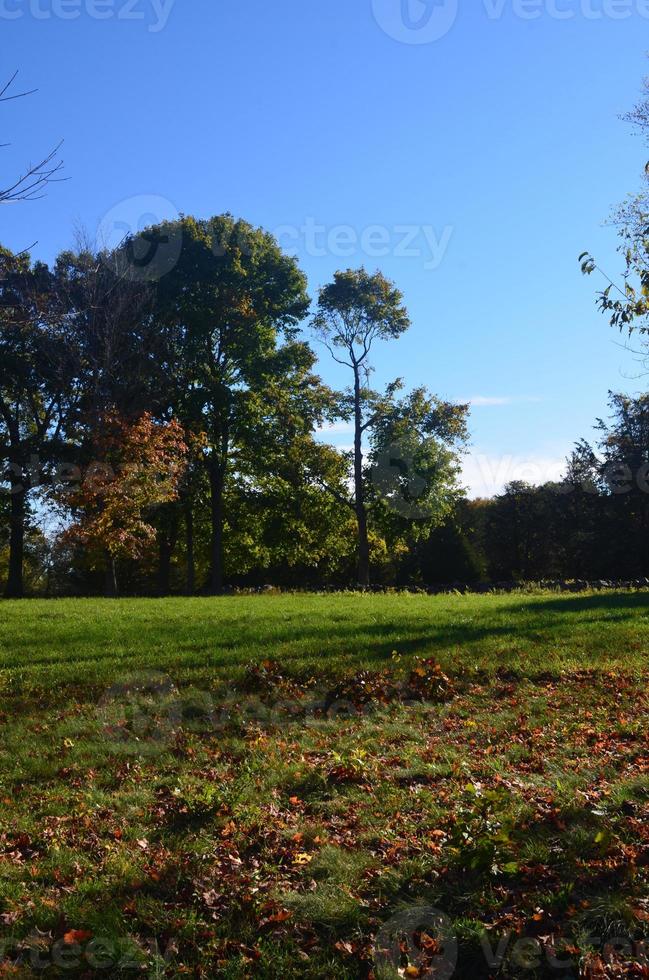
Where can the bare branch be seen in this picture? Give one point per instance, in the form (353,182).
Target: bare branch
(30,185)
(7,98)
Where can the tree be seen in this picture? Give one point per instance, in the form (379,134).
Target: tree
(622,470)
(415,443)
(178,514)
(37,389)
(627,303)
(592,524)
(445,556)
(122,350)
(138,467)
(36,547)
(518,533)
(354,311)
(283,523)
(30,185)
(230,299)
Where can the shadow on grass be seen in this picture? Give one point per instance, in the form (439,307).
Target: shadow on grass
(539,632)
(635,602)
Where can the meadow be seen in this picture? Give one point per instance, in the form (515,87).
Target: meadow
(348,785)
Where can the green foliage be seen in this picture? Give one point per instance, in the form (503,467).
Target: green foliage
(590,525)
(627,304)
(228,301)
(414,461)
(358,308)
(482,831)
(407,482)
(444,556)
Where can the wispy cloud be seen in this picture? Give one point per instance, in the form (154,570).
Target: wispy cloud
(482,401)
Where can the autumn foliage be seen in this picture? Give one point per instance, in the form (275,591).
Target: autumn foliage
(138,467)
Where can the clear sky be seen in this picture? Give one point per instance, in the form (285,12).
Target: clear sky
(471,149)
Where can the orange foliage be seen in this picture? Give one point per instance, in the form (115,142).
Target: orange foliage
(139,466)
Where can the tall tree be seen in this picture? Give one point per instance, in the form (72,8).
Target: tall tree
(122,350)
(234,301)
(354,311)
(38,390)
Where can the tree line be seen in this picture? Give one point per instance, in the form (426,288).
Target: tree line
(160,412)
(159,403)
(591,525)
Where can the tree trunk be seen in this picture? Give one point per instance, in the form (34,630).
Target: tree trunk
(165,551)
(14,588)
(189,540)
(359,496)
(363,548)
(111,577)
(167,540)
(216,513)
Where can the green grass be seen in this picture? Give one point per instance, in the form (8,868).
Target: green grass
(168,809)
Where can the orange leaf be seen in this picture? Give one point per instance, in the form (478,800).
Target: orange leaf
(76,936)
(278,917)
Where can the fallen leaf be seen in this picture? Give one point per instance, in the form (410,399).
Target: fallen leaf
(76,936)
(303,858)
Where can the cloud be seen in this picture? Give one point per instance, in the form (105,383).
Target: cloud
(481,401)
(485,475)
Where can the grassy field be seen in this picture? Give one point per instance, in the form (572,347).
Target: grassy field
(325,786)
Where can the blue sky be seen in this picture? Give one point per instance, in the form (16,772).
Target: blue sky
(471,150)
